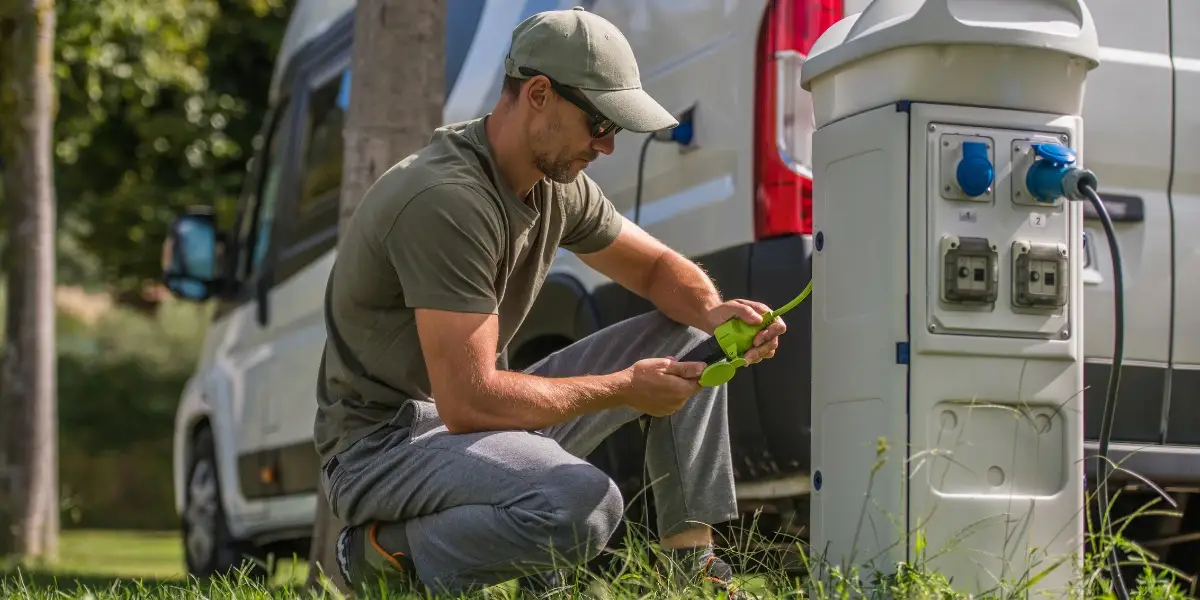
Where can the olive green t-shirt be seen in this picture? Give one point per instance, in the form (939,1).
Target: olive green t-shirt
(442,230)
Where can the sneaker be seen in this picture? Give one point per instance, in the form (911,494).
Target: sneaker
(703,567)
(362,560)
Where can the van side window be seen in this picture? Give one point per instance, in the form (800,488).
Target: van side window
(323,155)
(258,220)
(312,224)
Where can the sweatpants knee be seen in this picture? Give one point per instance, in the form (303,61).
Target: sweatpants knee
(590,508)
(676,338)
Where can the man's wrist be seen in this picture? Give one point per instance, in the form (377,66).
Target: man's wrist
(708,319)
(621,384)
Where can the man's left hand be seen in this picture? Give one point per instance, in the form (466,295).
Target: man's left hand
(767,340)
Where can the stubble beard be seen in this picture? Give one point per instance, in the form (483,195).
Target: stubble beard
(557,170)
(560,169)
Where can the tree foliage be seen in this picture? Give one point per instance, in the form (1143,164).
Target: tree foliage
(160,104)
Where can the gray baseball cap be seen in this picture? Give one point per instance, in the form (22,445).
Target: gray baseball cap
(585,51)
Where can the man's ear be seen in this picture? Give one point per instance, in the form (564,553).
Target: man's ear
(537,93)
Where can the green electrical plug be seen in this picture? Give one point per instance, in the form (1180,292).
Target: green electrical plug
(725,352)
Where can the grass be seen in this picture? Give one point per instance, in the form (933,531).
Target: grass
(122,564)
(103,565)
(125,554)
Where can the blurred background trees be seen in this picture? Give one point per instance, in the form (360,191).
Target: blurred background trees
(159,103)
(162,99)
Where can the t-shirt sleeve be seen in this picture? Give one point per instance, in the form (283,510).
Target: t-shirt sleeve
(445,247)
(592,222)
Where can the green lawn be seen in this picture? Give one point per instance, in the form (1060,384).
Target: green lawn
(103,565)
(150,555)
(114,560)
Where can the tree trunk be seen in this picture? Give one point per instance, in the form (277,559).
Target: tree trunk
(396,96)
(29,515)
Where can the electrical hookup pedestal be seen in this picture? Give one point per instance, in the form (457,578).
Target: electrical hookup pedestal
(947,391)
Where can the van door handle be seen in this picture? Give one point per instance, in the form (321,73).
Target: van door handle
(1121,209)
(1091,275)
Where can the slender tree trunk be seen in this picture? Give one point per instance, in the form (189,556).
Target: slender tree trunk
(29,516)
(396,97)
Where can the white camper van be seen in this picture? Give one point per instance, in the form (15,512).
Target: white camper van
(736,198)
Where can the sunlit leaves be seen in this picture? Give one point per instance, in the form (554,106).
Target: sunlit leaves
(160,101)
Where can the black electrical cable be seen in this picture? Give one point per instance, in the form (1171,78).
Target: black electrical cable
(637,199)
(637,218)
(1086,185)
(665,135)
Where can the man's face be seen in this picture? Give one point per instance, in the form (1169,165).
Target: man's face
(562,141)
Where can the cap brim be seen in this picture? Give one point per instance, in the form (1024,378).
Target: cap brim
(632,109)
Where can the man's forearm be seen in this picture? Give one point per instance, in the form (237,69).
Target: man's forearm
(682,290)
(517,401)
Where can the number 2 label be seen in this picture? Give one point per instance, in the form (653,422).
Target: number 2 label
(1037,220)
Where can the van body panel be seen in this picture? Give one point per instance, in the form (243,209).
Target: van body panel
(697,55)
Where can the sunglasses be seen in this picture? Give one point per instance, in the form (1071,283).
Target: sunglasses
(600,124)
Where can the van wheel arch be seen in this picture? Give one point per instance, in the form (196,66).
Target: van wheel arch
(203,424)
(209,548)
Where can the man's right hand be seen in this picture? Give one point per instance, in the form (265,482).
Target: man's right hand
(661,386)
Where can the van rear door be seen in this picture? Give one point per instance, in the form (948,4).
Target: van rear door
(1127,143)
(1184,424)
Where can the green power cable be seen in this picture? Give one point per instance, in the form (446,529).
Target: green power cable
(790,305)
(725,351)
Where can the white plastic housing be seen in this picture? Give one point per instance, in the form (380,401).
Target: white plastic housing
(1018,54)
(964,423)
(947,395)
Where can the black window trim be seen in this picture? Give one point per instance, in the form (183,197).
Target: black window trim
(285,114)
(278,127)
(238,250)
(326,57)
(324,73)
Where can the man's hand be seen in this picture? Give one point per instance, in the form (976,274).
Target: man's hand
(767,340)
(678,287)
(661,386)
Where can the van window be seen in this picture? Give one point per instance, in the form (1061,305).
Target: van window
(312,223)
(324,151)
(258,221)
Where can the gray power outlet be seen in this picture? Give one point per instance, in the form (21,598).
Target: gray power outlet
(970,270)
(1040,275)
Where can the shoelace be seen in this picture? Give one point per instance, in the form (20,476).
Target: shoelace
(394,557)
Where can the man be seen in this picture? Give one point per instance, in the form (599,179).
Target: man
(457,473)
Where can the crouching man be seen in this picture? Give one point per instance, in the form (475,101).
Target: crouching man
(455,474)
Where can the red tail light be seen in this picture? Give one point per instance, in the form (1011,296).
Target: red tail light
(783,115)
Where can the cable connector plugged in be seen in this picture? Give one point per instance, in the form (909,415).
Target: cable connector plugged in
(680,134)
(1077,181)
(1052,162)
(1055,175)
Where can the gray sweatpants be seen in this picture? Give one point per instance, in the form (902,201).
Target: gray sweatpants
(483,508)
